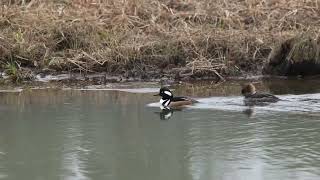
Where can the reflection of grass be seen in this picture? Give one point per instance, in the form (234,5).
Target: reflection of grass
(139,36)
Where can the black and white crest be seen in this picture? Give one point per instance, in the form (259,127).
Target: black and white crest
(166,97)
(165,93)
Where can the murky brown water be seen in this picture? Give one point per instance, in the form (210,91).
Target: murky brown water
(78,134)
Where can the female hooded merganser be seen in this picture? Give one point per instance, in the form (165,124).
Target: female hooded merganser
(251,97)
(168,101)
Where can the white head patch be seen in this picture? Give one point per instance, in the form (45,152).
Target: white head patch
(168,93)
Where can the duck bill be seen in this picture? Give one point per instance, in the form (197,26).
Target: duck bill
(156,95)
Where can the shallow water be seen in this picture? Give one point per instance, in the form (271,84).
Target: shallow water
(88,133)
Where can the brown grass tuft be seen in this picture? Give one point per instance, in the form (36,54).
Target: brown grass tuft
(149,37)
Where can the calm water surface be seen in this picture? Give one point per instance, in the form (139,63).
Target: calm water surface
(79,134)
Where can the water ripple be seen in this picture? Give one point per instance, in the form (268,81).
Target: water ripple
(299,104)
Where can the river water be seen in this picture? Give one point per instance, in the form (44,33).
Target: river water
(121,134)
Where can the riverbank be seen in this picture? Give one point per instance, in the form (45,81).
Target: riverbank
(147,39)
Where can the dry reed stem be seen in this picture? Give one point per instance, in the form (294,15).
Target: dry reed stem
(229,36)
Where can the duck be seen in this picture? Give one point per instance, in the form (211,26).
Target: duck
(251,97)
(168,101)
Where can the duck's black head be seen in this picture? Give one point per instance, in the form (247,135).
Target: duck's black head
(165,93)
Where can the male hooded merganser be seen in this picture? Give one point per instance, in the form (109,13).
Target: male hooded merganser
(251,97)
(168,101)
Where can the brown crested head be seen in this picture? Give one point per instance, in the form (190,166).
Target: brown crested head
(248,89)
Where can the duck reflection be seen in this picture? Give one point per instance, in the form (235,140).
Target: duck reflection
(166,114)
(250,111)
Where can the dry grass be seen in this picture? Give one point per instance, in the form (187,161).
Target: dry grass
(149,38)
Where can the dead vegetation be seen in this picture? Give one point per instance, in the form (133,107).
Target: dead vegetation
(298,56)
(150,38)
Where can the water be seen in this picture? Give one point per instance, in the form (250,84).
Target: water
(102,134)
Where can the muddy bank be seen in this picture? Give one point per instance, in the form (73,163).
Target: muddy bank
(29,76)
(176,76)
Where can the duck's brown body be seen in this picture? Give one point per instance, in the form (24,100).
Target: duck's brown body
(180,102)
(251,97)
